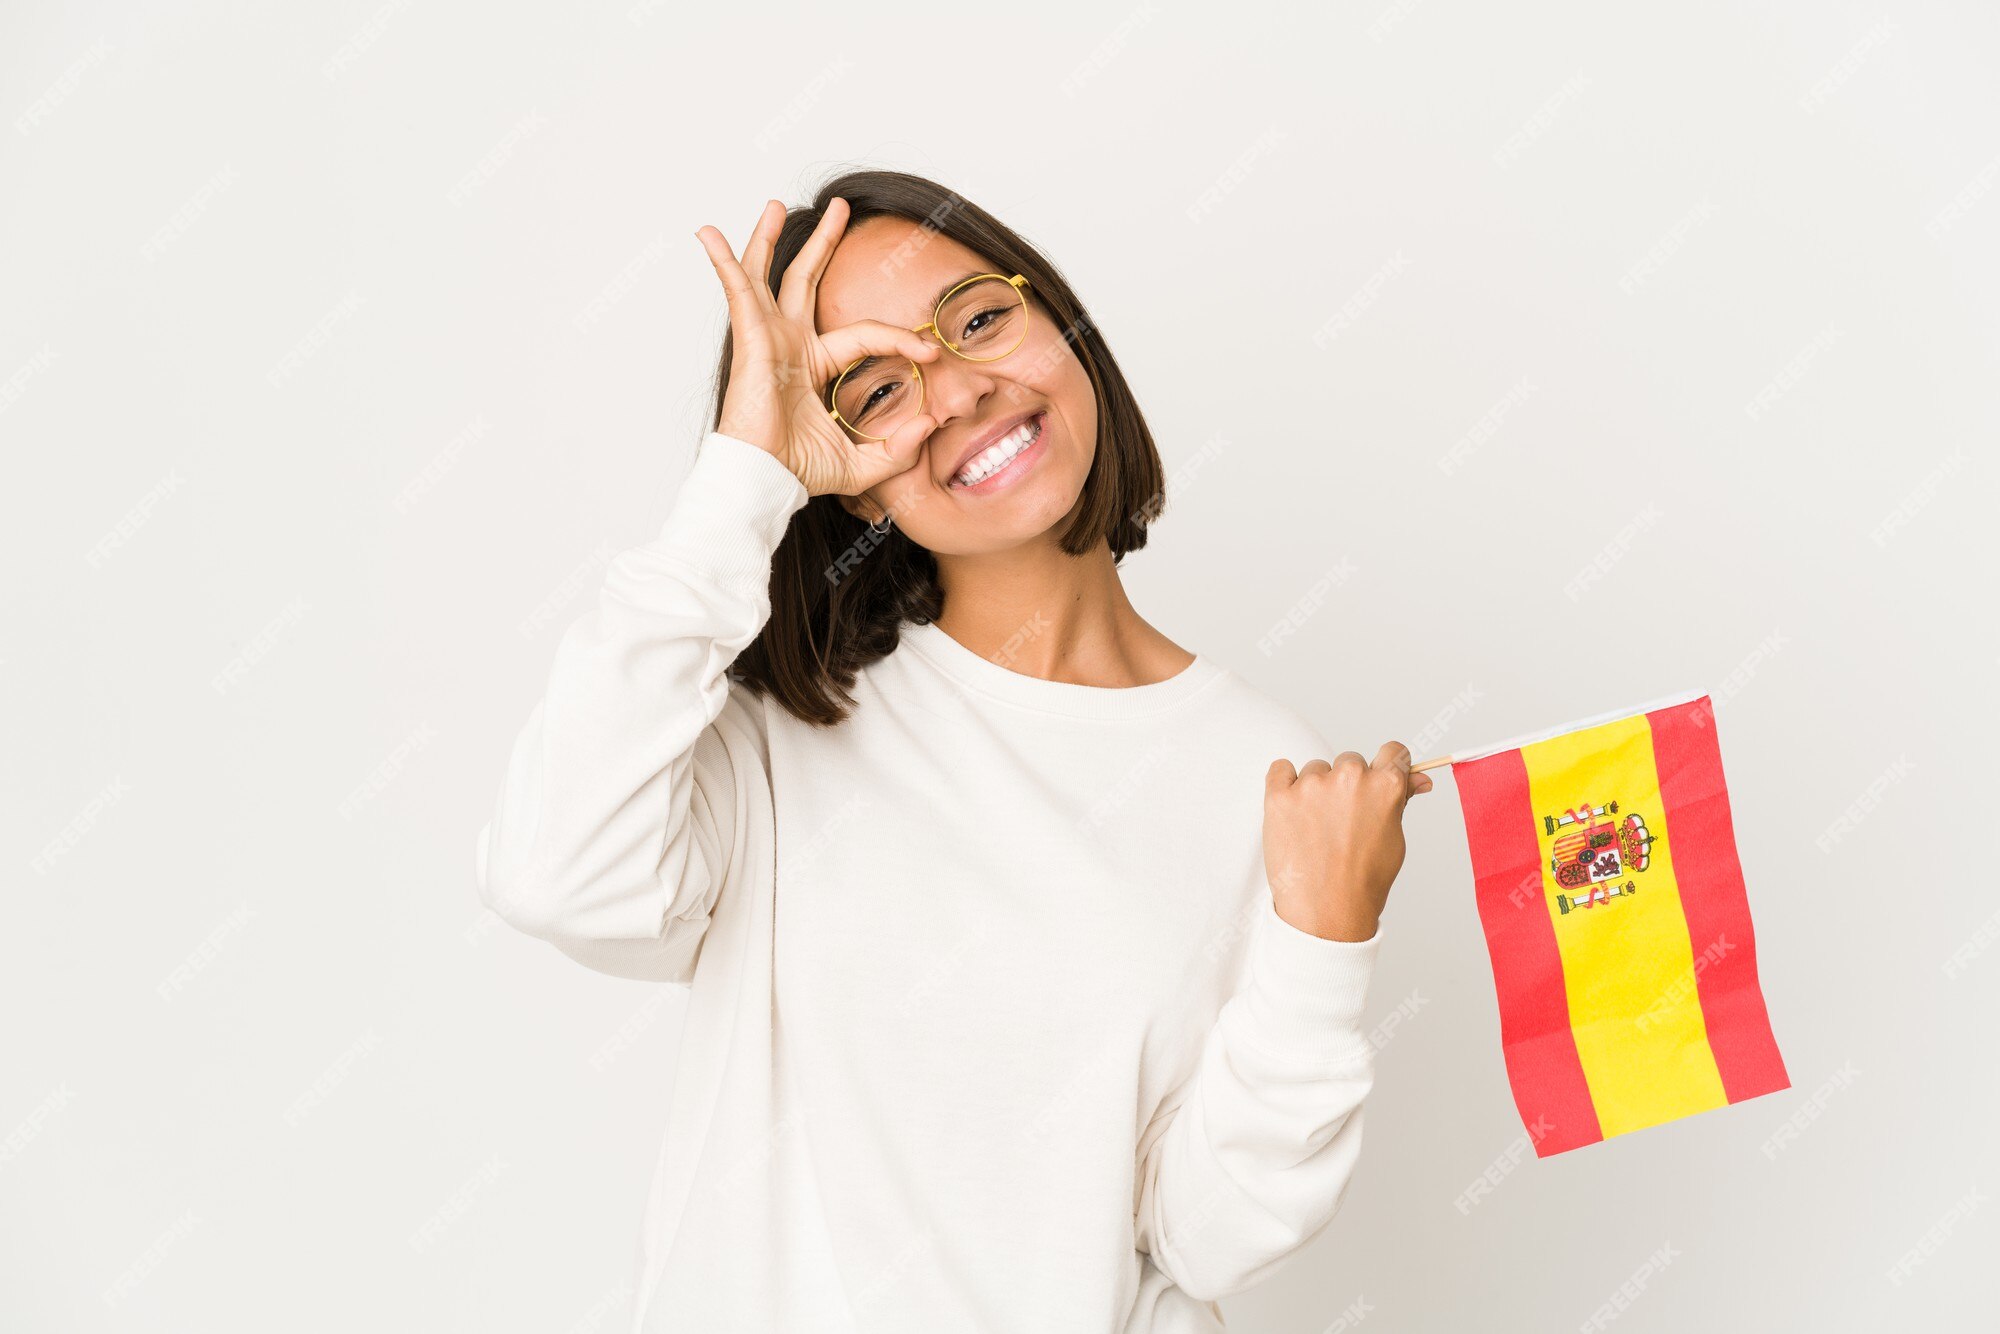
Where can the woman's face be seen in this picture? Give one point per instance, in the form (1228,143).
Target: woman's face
(893,270)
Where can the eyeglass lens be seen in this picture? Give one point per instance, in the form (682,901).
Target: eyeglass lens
(981,321)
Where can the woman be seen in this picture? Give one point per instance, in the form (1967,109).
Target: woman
(1026,971)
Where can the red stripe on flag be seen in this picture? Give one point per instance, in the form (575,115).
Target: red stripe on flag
(1710,879)
(1535,1034)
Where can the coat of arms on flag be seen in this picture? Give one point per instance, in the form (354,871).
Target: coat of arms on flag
(1614,910)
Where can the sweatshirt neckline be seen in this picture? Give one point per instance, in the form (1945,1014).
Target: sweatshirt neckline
(977,673)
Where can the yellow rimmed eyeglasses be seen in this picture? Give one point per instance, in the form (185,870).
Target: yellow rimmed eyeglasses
(980,319)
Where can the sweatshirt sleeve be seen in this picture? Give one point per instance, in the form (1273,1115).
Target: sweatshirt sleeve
(618,810)
(1253,1157)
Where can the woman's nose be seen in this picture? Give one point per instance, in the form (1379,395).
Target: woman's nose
(954,387)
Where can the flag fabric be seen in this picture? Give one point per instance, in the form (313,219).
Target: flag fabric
(1614,909)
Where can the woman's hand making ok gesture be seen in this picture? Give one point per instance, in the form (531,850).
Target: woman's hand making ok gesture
(780,364)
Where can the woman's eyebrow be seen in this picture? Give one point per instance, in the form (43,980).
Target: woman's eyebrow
(948,286)
(855,369)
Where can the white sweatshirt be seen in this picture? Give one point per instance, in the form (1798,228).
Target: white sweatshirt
(992,1025)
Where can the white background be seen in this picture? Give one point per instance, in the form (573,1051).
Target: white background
(1728,272)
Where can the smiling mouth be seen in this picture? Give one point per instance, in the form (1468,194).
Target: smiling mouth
(1001,452)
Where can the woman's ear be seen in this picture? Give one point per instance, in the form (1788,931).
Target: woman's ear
(865,510)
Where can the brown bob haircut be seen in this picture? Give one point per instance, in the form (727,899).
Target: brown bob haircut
(840,592)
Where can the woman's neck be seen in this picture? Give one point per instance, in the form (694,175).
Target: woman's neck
(1042,612)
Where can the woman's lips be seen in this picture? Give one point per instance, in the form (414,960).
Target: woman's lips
(1015,468)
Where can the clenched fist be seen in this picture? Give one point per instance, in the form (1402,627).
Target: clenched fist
(1333,838)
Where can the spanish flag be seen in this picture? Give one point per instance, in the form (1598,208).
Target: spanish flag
(1615,915)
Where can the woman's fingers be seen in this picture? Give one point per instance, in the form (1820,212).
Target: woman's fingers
(744,310)
(873,338)
(873,462)
(757,254)
(1394,757)
(800,286)
(904,447)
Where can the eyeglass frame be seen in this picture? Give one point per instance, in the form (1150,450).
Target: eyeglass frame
(1018,282)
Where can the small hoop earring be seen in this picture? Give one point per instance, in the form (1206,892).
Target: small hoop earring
(881,528)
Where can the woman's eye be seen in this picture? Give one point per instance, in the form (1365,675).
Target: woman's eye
(878,397)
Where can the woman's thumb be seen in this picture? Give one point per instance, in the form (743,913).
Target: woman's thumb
(906,442)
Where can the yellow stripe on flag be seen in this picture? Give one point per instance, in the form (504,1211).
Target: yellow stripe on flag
(1628,965)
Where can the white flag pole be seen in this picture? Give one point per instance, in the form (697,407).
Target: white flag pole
(1515,743)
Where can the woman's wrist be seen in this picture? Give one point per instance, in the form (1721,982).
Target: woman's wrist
(1337,922)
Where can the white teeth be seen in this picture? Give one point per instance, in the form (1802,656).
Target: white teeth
(997,455)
